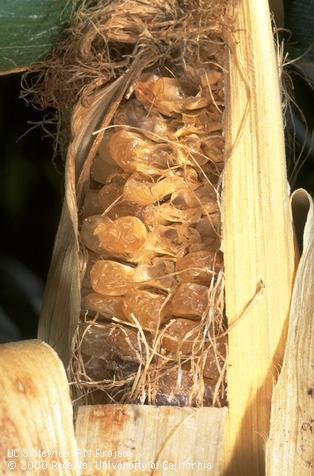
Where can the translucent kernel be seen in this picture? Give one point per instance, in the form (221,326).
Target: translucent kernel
(167,212)
(198,266)
(172,240)
(146,307)
(135,152)
(128,148)
(103,166)
(110,306)
(170,95)
(120,237)
(135,115)
(180,336)
(111,278)
(93,230)
(124,208)
(189,300)
(140,189)
(125,235)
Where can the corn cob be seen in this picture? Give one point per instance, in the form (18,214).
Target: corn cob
(150,222)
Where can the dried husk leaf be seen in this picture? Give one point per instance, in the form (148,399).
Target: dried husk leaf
(35,411)
(180,436)
(291,444)
(258,245)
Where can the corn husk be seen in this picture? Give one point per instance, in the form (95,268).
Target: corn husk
(150,440)
(257,236)
(37,433)
(257,229)
(35,413)
(291,443)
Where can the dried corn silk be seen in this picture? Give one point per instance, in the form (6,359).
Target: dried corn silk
(152,327)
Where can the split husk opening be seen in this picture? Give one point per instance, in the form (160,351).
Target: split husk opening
(168,58)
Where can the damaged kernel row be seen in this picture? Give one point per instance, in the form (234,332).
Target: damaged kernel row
(153,288)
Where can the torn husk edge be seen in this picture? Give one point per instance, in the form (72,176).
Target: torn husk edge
(291,444)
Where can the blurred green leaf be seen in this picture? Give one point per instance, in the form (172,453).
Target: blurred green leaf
(29,29)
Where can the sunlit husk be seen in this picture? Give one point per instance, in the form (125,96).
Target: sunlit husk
(291,443)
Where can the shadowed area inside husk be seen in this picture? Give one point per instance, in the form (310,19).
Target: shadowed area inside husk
(144,200)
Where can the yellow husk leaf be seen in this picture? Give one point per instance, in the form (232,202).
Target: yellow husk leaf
(257,236)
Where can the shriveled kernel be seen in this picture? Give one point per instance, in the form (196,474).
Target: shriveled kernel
(146,307)
(94,229)
(169,95)
(120,237)
(124,342)
(129,149)
(135,115)
(103,165)
(206,243)
(124,208)
(215,358)
(189,300)
(198,266)
(135,152)
(160,273)
(141,190)
(173,387)
(167,212)
(199,123)
(209,225)
(172,240)
(108,194)
(105,340)
(111,278)
(110,306)
(91,205)
(125,235)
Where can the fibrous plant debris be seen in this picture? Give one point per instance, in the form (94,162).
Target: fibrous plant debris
(152,326)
